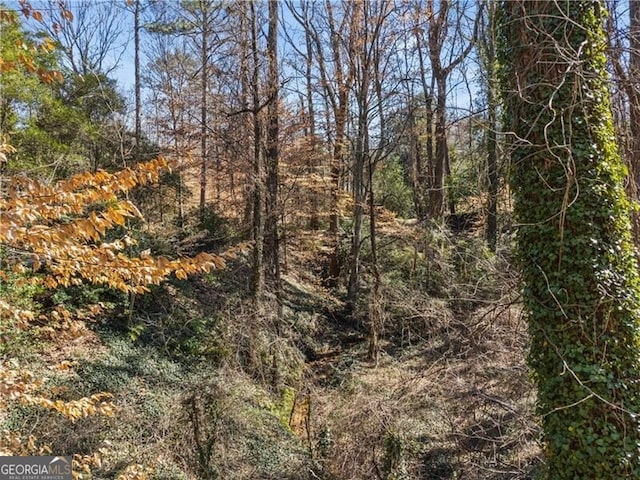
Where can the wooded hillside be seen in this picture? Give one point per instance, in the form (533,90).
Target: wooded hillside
(313,239)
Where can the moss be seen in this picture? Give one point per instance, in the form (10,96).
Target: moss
(284,406)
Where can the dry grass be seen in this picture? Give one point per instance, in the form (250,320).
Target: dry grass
(459,401)
(449,399)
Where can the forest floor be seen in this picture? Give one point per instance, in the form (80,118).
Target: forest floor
(208,387)
(448,398)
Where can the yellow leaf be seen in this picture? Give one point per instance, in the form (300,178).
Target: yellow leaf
(19,268)
(48,45)
(219,263)
(64,365)
(116,218)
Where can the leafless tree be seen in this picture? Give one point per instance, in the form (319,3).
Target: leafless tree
(94,38)
(449,42)
(624,46)
(272,153)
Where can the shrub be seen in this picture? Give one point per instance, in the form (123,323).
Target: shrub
(391,189)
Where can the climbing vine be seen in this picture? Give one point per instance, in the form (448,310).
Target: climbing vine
(580,278)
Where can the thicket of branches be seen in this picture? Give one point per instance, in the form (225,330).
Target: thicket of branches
(279,123)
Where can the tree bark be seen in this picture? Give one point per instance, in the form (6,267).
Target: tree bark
(138,87)
(438,30)
(258,164)
(361,58)
(489,48)
(436,189)
(204,83)
(633,93)
(423,170)
(581,293)
(340,106)
(272,243)
(314,221)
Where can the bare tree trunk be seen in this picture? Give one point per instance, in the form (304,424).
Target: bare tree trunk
(367,58)
(489,48)
(423,170)
(245,87)
(375,302)
(314,222)
(272,244)
(492,165)
(203,103)
(138,88)
(340,118)
(180,192)
(439,24)
(218,159)
(336,166)
(361,151)
(258,165)
(359,193)
(436,189)
(336,87)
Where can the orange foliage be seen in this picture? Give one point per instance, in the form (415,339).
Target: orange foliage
(55,234)
(58,229)
(28,50)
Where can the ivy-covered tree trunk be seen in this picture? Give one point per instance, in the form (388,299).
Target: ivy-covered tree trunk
(574,244)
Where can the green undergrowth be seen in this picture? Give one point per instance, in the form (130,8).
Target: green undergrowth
(15,340)
(183,420)
(206,387)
